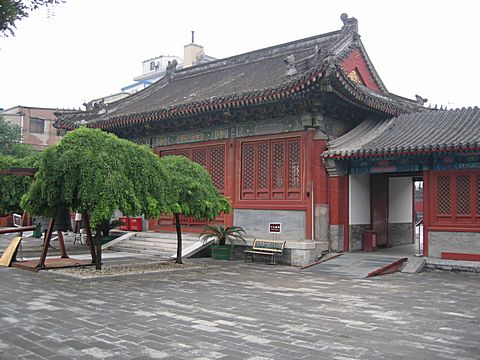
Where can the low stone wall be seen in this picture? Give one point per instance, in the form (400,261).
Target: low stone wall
(453,265)
(400,234)
(296,253)
(336,238)
(456,242)
(356,236)
(255,223)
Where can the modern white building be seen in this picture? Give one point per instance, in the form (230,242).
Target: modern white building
(155,68)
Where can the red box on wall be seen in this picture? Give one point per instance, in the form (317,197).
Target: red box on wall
(125,225)
(369,241)
(135,224)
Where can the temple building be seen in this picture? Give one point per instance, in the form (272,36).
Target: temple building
(306,135)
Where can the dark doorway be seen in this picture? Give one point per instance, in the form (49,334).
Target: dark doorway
(379,207)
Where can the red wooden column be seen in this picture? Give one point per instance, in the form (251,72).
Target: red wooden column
(427,208)
(320,175)
(338,205)
(346,220)
(230,166)
(309,180)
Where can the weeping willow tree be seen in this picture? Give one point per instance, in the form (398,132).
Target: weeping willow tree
(96,173)
(191,192)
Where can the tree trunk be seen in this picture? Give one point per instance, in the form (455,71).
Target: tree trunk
(98,246)
(178,260)
(88,230)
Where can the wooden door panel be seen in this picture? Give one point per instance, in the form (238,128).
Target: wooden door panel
(379,208)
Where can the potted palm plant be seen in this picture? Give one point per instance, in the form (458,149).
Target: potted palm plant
(220,235)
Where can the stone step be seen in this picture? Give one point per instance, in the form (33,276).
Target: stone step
(160,244)
(164,236)
(143,247)
(155,242)
(165,255)
(414,265)
(159,241)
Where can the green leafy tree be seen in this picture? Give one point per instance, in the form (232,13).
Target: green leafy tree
(10,135)
(96,173)
(13,154)
(12,11)
(191,192)
(12,187)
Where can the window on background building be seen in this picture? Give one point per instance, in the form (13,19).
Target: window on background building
(37,126)
(457,198)
(271,169)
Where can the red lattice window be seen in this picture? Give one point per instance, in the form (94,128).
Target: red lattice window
(200,157)
(263,187)
(478,195)
(248,175)
(443,195)
(271,169)
(457,198)
(217,167)
(211,158)
(186,152)
(293,164)
(278,170)
(463,195)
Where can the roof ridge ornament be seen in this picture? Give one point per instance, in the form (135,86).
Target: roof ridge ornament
(291,67)
(97,105)
(171,68)
(349,24)
(421,100)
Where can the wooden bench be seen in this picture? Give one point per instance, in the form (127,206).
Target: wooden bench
(272,248)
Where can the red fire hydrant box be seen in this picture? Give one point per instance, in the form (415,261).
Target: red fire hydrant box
(135,224)
(125,226)
(369,241)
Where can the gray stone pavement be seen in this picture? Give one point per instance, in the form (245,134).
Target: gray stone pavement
(240,311)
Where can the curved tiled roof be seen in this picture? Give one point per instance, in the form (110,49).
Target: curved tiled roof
(420,132)
(253,78)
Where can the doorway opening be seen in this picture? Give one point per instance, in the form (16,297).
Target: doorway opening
(388,207)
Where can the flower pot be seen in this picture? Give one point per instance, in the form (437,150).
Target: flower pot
(221,252)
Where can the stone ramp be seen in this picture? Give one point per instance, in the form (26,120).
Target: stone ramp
(359,265)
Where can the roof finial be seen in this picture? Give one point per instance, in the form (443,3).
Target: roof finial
(421,100)
(171,68)
(291,67)
(349,24)
(193,37)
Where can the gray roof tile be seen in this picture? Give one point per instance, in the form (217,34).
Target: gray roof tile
(426,131)
(255,77)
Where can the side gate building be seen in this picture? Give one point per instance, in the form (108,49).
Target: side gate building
(306,134)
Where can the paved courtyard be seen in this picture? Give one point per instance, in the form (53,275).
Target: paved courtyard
(240,311)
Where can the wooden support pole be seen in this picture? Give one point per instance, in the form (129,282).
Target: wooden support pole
(17,229)
(88,230)
(62,245)
(46,244)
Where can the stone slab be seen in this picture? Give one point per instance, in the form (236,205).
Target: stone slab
(240,311)
(357,265)
(414,265)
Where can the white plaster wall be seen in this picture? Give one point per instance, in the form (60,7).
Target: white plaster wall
(359,199)
(400,200)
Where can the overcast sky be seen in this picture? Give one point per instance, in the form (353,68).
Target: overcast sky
(93,48)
